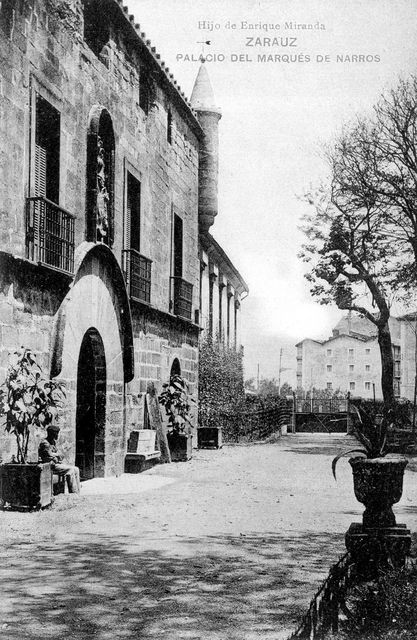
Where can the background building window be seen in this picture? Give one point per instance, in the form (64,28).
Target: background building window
(351,353)
(367,386)
(329,385)
(352,386)
(367,367)
(367,351)
(329,352)
(329,367)
(351,367)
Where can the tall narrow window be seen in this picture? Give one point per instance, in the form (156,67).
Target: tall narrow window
(133,213)
(178,246)
(96,27)
(169,126)
(144,90)
(138,268)
(47,143)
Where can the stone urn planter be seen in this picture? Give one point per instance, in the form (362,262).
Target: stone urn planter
(378,542)
(26,486)
(378,484)
(180,446)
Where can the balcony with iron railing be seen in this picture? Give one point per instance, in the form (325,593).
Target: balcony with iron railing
(49,234)
(183,297)
(138,275)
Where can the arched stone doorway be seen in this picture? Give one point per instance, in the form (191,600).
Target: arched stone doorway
(93,334)
(91,407)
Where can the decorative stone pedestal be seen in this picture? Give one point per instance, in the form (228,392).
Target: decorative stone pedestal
(375,549)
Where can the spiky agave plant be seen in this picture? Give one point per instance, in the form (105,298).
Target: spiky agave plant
(372,434)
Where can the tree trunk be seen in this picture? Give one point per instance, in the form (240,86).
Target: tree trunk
(387,363)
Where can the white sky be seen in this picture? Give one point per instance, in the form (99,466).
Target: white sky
(275,116)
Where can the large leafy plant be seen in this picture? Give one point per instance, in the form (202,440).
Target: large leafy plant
(371,431)
(28,399)
(177,403)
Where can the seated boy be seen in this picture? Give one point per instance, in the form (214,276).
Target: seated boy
(48,452)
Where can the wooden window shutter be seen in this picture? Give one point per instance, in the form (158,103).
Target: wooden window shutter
(128,225)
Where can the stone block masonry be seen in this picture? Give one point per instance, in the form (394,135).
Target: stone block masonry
(83,325)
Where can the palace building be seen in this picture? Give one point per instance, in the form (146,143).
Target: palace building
(108,188)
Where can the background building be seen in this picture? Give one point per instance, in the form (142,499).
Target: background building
(350,359)
(100,211)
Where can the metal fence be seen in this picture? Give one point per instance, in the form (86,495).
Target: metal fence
(325,608)
(322,405)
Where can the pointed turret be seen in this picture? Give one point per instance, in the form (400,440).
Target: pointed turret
(203,102)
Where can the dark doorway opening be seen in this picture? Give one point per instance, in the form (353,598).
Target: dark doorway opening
(175,368)
(91,407)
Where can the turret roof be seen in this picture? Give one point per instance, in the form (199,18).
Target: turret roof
(202,97)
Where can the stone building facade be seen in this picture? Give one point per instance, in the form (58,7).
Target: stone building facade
(101,216)
(350,359)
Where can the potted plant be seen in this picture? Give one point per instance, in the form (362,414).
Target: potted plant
(176,401)
(377,479)
(28,401)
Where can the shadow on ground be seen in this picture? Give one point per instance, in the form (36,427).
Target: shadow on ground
(235,587)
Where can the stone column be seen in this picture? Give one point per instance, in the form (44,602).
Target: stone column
(204,293)
(222,308)
(230,330)
(214,300)
(237,322)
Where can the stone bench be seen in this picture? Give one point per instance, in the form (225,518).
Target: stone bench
(141,450)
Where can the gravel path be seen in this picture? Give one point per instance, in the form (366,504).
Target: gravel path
(231,545)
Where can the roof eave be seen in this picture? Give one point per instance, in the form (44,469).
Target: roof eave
(166,77)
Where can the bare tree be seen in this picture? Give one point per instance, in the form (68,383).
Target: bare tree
(350,265)
(374,168)
(364,231)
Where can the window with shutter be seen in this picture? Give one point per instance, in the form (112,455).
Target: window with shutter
(178,246)
(47,143)
(133,213)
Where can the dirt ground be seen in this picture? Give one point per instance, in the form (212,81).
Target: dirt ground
(230,545)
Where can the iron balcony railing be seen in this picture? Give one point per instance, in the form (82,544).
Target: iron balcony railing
(49,234)
(138,275)
(183,298)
